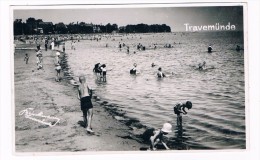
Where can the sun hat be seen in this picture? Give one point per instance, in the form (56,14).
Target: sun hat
(167,128)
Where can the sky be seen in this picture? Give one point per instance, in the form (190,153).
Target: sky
(175,17)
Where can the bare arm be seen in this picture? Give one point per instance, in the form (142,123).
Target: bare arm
(153,140)
(79,92)
(184,112)
(90,91)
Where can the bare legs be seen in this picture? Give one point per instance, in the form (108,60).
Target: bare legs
(58,76)
(179,120)
(88,119)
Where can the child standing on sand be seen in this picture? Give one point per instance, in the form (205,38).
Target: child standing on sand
(57,66)
(39,60)
(179,109)
(155,136)
(26,58)
(84,95)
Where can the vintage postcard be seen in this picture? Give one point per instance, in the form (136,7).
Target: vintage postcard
(129,77)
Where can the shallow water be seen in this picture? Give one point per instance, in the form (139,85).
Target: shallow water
(217,119)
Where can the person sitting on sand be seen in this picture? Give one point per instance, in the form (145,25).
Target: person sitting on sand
(179,109)
(26,58)
(160,74)
(155,137)
(153,65)
(84,95)
(133,70)
(57,66)
(202,66)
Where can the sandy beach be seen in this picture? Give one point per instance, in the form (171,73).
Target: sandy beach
(38,90)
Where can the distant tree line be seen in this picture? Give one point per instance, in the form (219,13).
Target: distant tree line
(37,26)
(144,28)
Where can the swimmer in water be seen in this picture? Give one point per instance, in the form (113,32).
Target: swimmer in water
(133,70)
(160,74)
(209,49)
(238,48)
(202,66)
(96,69)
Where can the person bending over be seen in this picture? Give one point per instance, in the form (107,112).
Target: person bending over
(155,137)
(179,109)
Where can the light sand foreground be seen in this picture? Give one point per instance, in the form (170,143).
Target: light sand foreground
(38,90)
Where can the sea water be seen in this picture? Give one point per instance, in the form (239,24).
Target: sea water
(217,118)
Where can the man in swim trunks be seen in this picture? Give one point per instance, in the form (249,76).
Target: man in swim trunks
(85,94)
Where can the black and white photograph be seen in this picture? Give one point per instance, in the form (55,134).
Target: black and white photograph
(129,78)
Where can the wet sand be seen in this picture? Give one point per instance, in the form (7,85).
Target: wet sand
(37,89)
